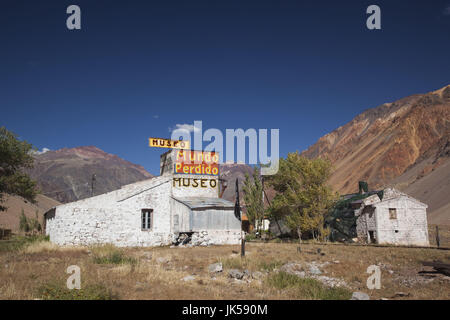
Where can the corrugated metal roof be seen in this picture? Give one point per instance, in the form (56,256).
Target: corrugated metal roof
(204,202)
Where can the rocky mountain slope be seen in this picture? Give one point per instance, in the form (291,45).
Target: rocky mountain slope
(404,144)
(231,172)
(66,174)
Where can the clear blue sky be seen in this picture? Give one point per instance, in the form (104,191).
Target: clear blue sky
(137,68)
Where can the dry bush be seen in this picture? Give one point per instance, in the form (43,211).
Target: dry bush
(305,288)
(110,254)
(46,246)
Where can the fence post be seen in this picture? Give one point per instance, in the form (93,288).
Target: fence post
(437,237)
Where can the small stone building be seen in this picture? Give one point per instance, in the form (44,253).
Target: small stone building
(160,211)
(395,218)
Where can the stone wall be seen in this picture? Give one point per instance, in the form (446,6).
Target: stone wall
(365,223)
(409,228)
(210,237)
(115,218)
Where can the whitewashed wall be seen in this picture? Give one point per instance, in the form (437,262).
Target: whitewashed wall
(411,222)
(115,217)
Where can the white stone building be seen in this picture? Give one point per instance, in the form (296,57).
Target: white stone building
(396,219)
(153,212)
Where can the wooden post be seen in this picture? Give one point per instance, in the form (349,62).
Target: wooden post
(438,242)
(238,212)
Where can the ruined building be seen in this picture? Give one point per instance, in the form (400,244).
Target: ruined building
(171,208)
(384,217)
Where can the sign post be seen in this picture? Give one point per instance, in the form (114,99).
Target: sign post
(238,212)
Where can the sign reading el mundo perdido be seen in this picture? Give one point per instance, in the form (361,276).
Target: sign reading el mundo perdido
(197,162)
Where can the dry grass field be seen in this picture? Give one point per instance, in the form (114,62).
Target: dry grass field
(37,270)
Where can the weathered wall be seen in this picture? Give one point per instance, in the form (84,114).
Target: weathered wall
(209,237)
(115,218)
(190,185)
(410,227)
(365,223)
(183,213)
(215,219)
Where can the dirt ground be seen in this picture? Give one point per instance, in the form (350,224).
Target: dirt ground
(160,273)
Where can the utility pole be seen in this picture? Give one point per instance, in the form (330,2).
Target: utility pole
(238,212)
(92,184)
(438,242)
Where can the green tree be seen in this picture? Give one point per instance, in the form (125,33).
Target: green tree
(23,223)
(15,155)
(303,198)
(253,198)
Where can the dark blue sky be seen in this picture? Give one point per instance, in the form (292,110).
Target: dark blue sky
(139,67)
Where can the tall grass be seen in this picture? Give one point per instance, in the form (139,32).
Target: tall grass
(20,242)
(253,264)
(56,290)
(306,288)
(110,254)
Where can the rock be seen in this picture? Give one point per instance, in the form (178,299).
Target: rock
(188,278)
(401,294)
(331,282)
(257,275)
(313,269)
(360,296)
(215,267)
(291,267)
(247,274)
(236,274)
(162,260)
(336,261)
(147,256)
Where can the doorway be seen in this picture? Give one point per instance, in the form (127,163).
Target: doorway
(372,237)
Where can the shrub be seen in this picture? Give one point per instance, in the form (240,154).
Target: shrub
(20,242)
(269,266)
(110,254)
(306,288)
(55,290)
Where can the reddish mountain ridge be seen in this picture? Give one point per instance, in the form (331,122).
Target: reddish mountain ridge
(66,174)
(404,144)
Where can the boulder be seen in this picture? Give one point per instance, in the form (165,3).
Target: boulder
(236,274)
(360,296)
(188,278)
(215,267)
(313,269)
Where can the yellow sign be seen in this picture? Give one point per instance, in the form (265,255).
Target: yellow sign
(167,143)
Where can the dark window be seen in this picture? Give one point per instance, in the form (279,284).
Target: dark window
(147,219)
(392,213)
(372,238)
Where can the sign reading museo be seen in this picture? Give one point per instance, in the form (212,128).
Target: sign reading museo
(167,143)
(197,162)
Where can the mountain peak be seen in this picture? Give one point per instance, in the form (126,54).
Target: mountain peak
(66,174)
(401,142)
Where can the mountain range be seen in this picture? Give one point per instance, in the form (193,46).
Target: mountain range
(67,174)
(403,144)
